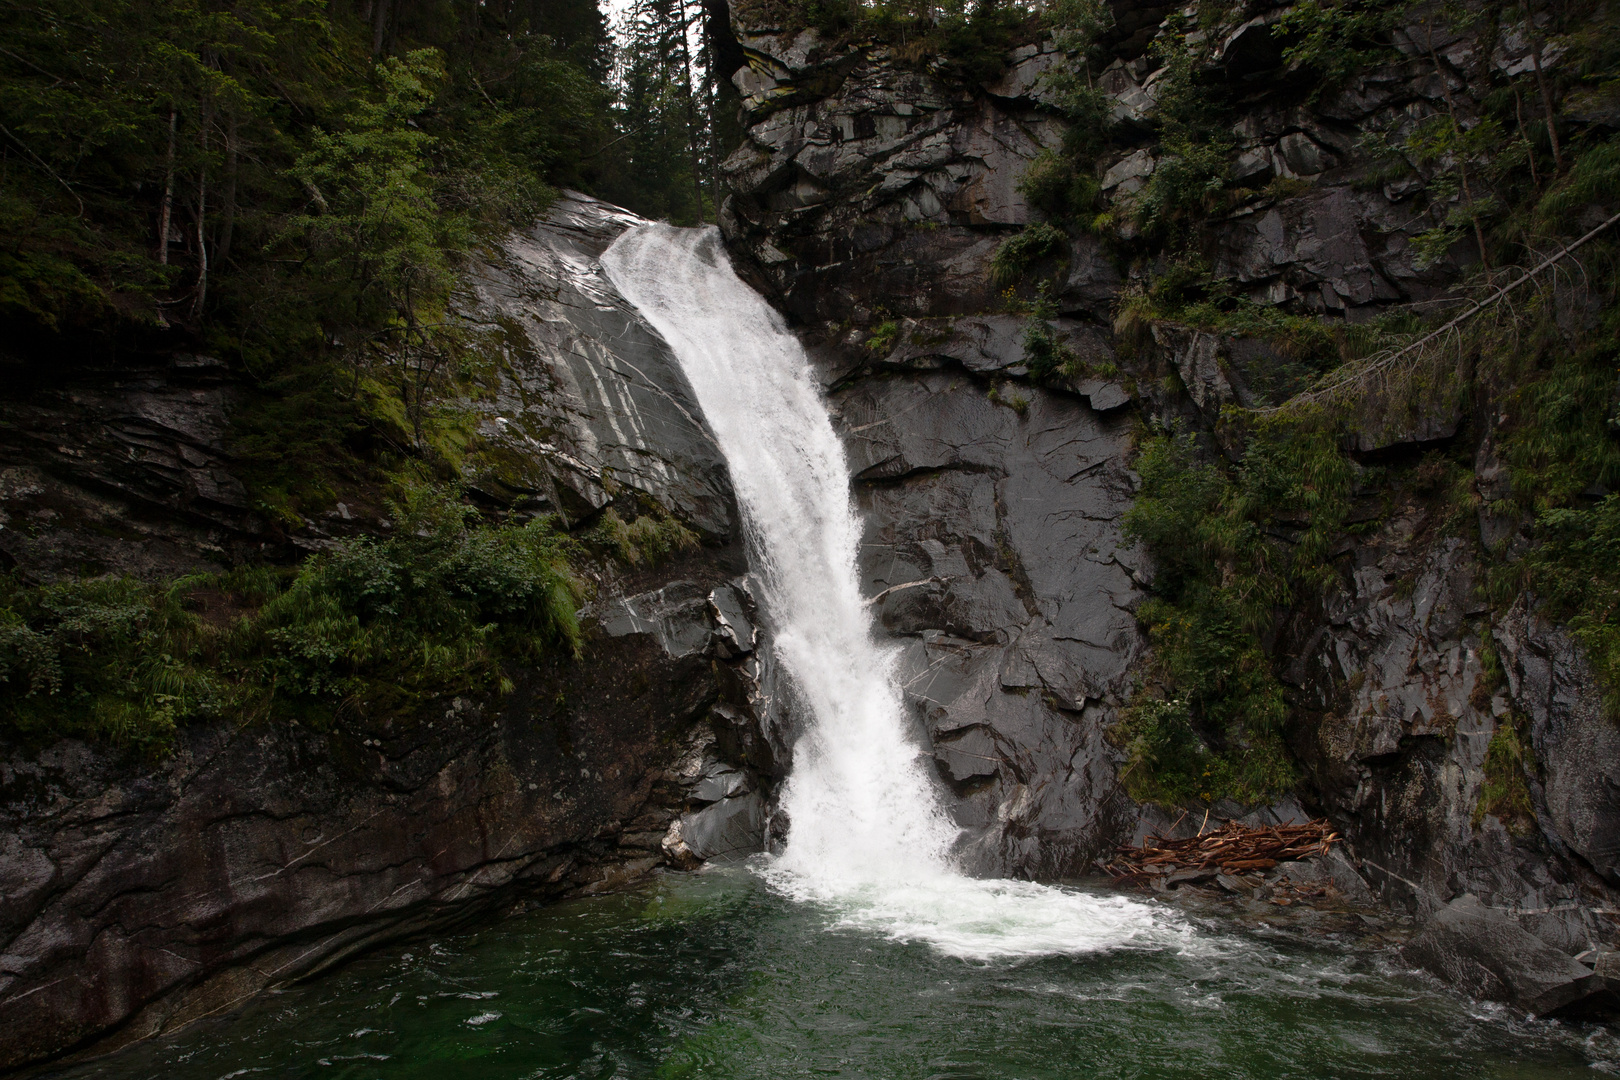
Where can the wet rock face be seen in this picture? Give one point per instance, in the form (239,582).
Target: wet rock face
(1488,956)
(121,467)
(862,180)
(868,201)
(1577,744)
(993,552)
(136,896)
(589,400)
(1397,713)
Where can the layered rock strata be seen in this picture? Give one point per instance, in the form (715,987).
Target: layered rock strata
(135,897)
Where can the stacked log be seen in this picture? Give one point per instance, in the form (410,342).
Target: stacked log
(1233,849)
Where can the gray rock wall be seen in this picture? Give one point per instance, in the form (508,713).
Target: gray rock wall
(871,192)
(992,538)
(588,399)
(136,896)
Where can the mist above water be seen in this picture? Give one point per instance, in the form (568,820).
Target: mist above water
(870,838)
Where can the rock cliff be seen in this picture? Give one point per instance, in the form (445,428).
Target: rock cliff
(139,896)
(869,201)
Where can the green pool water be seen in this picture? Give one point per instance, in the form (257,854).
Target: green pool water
(715,975)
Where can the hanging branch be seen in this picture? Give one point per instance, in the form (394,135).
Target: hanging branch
(42,164)
(1499,293)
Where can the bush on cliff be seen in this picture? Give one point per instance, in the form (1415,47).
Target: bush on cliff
(1231,545)
(373,628)
(960,40)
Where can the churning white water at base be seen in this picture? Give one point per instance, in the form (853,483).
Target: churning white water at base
(868,836)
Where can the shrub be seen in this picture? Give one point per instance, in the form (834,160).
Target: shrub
(373,628)
(649,539)
(1194,169)
(1575,571)
(105,658)
(1169,764)
(1024,249)
(1222,569)
(1056,184)
(883,338)
(1044,355)
(1505,794)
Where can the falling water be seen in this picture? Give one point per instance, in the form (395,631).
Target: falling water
(869,837)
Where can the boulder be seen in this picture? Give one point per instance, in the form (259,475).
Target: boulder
(1486,955)
(729,829)
(1334,868)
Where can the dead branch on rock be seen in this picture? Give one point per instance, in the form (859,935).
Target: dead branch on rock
(1363,373)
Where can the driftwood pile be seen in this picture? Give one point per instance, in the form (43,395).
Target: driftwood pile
(1233,852)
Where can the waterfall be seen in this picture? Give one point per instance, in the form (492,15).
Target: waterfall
(869,837)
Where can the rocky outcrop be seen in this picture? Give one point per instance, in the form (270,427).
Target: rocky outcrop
(587,399)
(1575,741)
(137,896)
(1489,956)
(868,200)
(1397,713)
(862,184)
(993,541)
(121,466)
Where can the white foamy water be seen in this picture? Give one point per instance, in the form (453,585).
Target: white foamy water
(869,837)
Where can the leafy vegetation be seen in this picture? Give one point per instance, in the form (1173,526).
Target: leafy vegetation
(212,165)
(1337,40)
(676,114)
(883,338)
(650,539)
(1572,570)
(1505,793)
(373,629)
(1194,169)
(1232,546)
(293,186)
(1023,249)
(1236,543)
(960,40)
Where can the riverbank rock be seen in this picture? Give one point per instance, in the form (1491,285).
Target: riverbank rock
(1486,955)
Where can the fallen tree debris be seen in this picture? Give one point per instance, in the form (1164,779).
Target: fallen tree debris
(1233,851)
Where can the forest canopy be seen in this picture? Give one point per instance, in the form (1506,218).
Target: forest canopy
(274,176)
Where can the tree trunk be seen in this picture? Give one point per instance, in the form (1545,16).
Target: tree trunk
(711,96)
(379,28)
(202,241)
(227,223)
(692,128)
(1546,95)
(204,125)
(1529,147)
(168,195)
(1462,161)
